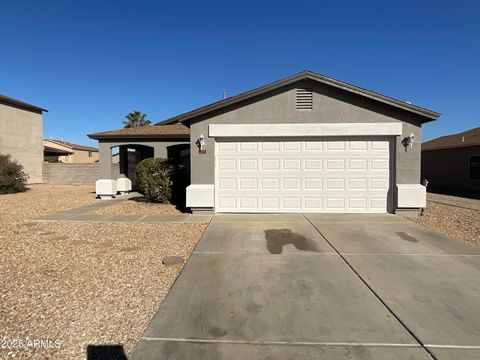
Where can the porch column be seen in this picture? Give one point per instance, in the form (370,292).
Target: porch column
(160,151)
(105,159)
(123,160)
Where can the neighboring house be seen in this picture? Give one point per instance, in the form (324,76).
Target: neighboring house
(306,143)
(21,135)
(69,152)
(452,162)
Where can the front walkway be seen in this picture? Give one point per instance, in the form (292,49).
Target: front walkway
(84,214)
(320,287)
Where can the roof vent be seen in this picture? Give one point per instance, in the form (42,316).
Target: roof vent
(304,99)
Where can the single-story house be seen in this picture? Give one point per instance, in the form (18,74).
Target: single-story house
(452,162)
(21,135)
(68,152)
(306,143)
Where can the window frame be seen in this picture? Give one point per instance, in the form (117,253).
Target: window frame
(470,159)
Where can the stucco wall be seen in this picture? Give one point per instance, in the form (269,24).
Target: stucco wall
(450,168)
(21,136)
(329,105)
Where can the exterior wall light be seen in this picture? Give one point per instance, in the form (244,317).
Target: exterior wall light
(201,144)
(409,140)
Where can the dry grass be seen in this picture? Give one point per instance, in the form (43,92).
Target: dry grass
(455,222)
(81,283)
(132,207)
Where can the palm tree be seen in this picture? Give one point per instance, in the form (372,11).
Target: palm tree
(134,119)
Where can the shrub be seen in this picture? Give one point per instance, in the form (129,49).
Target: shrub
(154,179)
(12,177)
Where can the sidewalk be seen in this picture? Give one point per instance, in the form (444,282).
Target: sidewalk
(83,213)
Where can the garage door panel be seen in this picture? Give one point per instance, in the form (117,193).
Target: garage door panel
(292,184)
(306,176)
(313,164)
(292,164)
(313,145)
(227,184)
(270,146)
(270,164)
(292,146)
(358,164)
(335,165)
(335,146)
(227,203)
(313,184)
(358,145)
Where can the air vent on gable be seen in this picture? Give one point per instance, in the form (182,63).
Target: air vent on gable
(304,100)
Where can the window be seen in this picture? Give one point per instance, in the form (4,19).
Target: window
(475,167)
(304,99)
(89,154)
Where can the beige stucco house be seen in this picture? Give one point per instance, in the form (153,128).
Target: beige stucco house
(21,135)
(69,152)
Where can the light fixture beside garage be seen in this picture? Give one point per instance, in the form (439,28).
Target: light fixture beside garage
(409,140)
(201,144)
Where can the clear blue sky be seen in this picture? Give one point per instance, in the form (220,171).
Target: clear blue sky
(91,62)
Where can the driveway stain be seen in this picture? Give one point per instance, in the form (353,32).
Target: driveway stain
(278,238)
(406,237)
(216,332)
(254,308)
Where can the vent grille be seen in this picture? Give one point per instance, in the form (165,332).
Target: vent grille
(304,99)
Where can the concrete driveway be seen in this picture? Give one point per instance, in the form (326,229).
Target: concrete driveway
(320,287)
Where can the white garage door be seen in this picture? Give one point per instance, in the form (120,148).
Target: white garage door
(348,176)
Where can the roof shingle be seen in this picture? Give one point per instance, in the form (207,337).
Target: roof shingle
(467,138)
(153,131)
(72,145)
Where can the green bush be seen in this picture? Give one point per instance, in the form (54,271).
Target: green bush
(154,179)
(12,177)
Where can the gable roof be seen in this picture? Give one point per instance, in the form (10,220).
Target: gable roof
(467,138)
(50,151)
(72,145)
(429,115)
(11,101)
(153,131)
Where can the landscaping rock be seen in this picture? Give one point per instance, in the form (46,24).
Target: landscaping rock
(172,260)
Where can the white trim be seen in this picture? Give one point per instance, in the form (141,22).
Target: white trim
(200,195)
(411,196)
(311,129)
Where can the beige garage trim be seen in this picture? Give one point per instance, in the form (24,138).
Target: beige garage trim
(314,129)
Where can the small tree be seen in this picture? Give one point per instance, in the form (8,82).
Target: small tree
(12,177)
(154,179)
(134,119)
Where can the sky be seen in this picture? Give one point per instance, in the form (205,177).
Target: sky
(92,62)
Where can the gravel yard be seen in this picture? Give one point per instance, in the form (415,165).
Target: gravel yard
(81,283)
(44,199)
(133,207)
(453,221)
